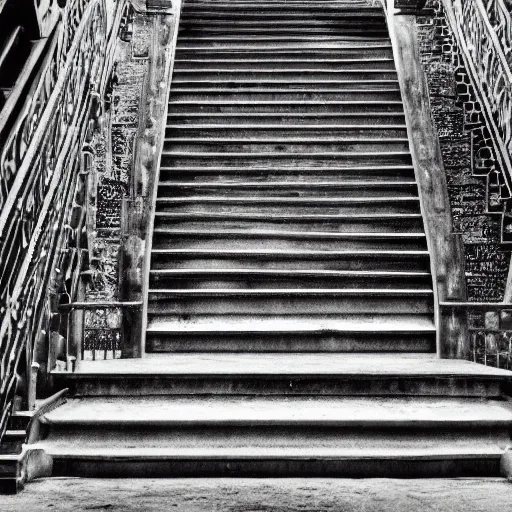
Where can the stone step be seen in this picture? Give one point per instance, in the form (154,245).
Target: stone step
(106,462)
(10,468)
(284,279)
(291,161)
(290,188)
(271,63)
(284,9)
(356,37)
(276,424)
(304,74)
(372,260)
(271,22)
(270,18)
(301,144)
(334,301)
(386,92)
(391,223)
(292,333)
(330,134)
(285,374)
(245,11)
(280,52)
(281,435)
(210,174)
(344,121)
(285,107)
(294,30)
(208,238)
(378,415)
(311,83)
(290,205)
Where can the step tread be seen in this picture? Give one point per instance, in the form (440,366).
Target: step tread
(287,184)
(195,168)
(281,217)
(292,114)
(312,155)
(290,253)
(287,200)
(98,452)
(273,59)
(304,48)
(237,292)
(285,102)
(311,127)
(276,410)
(263,453)
(302,71)
(295,234)
(358,366)
(293,273)
(295,324)
(178,80)
(288,140)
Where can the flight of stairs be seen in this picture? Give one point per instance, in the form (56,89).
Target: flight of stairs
(290,319)
(288,216)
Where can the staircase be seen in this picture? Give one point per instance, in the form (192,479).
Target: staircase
(288,217)
(290,311)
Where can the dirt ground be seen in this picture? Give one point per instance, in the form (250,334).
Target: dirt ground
(265,495)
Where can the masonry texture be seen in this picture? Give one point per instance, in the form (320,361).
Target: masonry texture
(114,147)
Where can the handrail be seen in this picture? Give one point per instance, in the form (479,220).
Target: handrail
(102,305)
(42,218)
(476,305)
(484,48)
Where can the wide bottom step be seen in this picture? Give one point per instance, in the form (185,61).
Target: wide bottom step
(279,436)
(298,463)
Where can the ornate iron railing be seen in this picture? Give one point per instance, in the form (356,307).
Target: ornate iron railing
(482,29)
(501,21)
(44,165)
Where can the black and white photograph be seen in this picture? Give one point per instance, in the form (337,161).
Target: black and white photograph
(255,255)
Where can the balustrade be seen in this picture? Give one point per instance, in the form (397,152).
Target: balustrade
(44,167)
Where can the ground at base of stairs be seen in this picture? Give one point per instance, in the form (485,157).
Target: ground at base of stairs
(263,495)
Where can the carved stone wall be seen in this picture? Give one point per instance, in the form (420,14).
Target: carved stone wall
(464,144)
(115,144)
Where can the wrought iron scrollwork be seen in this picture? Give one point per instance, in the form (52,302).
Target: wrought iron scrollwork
(483,32)
(44,167)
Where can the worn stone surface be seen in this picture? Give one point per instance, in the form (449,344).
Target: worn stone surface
(266,495)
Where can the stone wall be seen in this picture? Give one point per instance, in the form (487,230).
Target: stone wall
(114,147)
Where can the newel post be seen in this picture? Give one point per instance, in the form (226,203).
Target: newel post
(161,17)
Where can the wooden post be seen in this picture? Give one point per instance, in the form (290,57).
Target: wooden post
(131,264)
(137,211)
(445,248)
